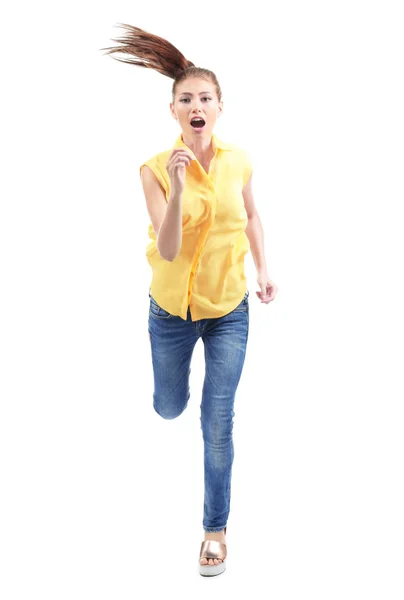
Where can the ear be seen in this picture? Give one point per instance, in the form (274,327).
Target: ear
(172,111)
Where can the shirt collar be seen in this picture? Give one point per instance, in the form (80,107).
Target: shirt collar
(216,143)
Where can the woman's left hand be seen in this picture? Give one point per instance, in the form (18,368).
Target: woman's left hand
(268,288)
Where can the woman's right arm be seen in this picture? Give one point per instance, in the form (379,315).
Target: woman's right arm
(166,217)
(169,238)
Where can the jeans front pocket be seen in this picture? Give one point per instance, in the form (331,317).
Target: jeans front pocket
(157,311)
(244,303)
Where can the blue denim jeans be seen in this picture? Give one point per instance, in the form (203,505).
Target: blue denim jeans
(225,340)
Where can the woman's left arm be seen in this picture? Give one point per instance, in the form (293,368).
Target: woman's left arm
(255,234)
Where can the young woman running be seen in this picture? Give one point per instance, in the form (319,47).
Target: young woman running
(203,221)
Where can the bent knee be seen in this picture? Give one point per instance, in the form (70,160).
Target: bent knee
(170,406)
(166,413)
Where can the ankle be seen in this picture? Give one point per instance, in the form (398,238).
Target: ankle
(215,535)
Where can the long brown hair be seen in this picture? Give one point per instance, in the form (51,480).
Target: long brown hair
(157,53)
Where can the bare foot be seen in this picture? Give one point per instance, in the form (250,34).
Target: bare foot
(218,536)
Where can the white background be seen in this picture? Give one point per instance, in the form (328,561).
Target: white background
(101,498)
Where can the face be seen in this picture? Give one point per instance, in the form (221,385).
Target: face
(196,97)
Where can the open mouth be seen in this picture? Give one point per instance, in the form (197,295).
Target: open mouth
(198,123)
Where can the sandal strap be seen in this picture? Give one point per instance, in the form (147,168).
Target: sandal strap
(213,549)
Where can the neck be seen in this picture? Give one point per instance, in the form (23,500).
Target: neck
(200,146)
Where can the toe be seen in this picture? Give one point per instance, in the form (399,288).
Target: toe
(210,561)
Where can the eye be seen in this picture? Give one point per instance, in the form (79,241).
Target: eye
(186,99)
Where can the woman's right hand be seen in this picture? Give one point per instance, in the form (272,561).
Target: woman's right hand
(176,168)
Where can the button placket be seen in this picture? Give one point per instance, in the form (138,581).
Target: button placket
(211,199)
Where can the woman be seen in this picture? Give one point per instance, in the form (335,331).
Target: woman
(203,222)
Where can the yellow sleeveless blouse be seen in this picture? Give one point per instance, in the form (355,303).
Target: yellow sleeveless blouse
(208,274)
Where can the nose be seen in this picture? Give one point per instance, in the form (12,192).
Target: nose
(196,107)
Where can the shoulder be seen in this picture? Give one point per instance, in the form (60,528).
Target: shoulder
(236,151)
(157,163)
(160,159)
(239,157)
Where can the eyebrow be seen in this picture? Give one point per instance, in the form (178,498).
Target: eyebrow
(189,94)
